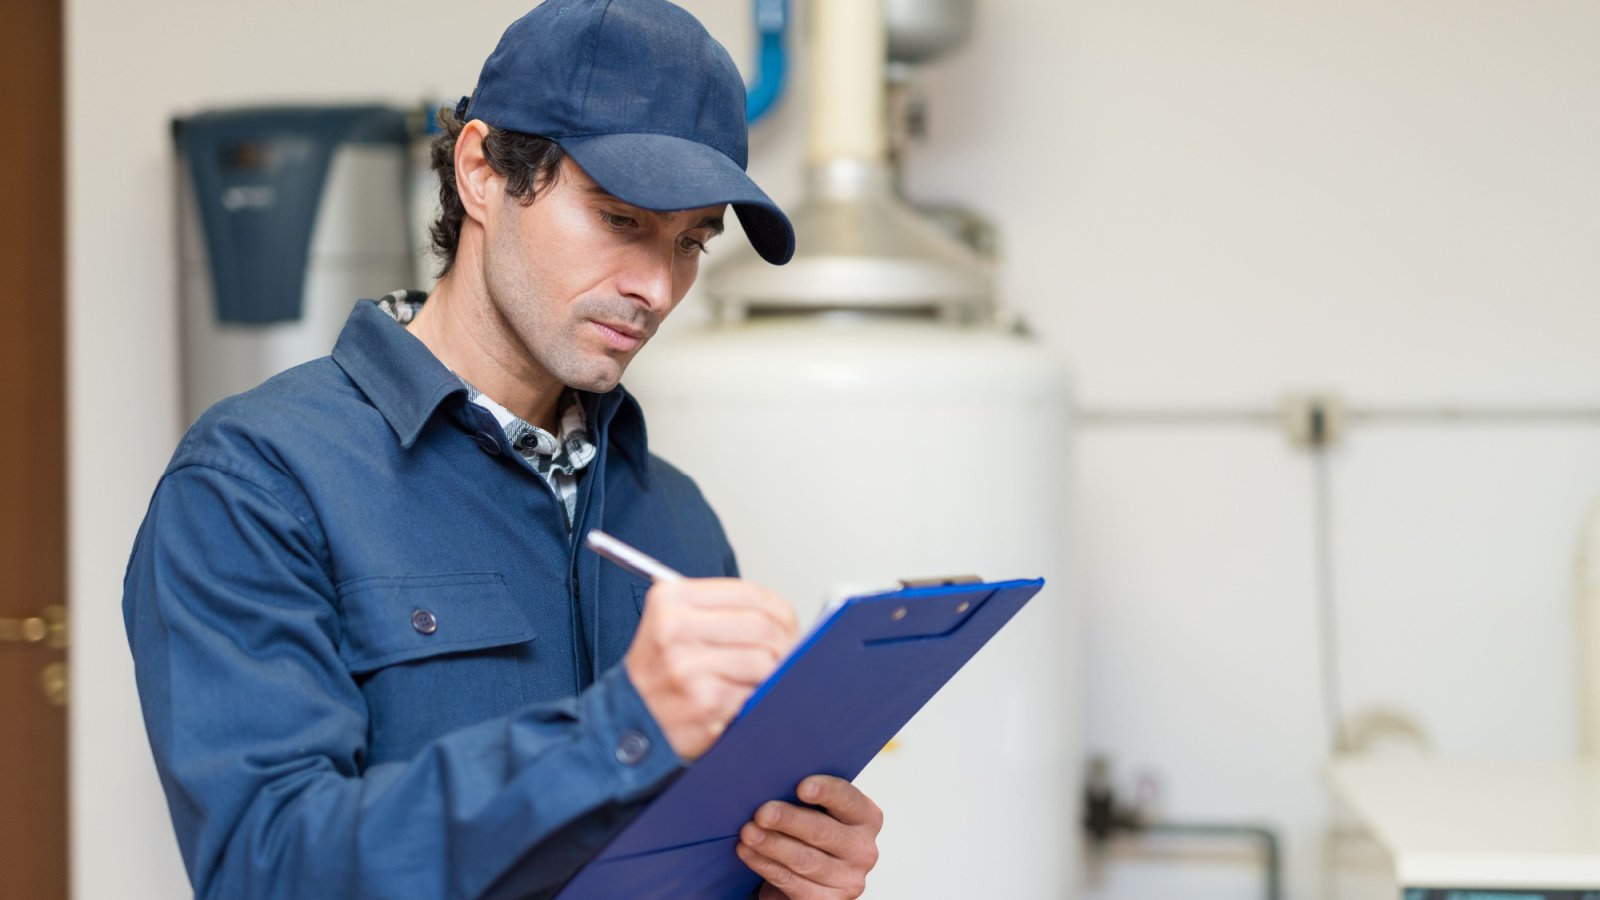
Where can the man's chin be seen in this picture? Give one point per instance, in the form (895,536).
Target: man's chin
(597,379)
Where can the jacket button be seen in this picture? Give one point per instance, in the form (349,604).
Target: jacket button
(424,622)
(487,442)
(632,748)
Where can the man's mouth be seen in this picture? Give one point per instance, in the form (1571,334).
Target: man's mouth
(620,337)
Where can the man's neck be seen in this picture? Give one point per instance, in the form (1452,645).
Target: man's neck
(461,328)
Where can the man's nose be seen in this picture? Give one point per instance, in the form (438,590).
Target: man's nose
(648,278)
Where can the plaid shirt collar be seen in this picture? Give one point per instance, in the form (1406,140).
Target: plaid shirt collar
(574,450)
(548,454)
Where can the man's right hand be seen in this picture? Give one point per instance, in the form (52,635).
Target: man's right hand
(703,646)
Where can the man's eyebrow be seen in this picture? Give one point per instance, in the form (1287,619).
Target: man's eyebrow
(712,222)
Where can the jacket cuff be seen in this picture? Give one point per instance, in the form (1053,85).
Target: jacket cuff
(629,743)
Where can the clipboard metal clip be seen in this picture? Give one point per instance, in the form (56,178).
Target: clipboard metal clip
(939,581)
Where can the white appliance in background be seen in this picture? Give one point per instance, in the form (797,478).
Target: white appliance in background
(288,215)
(1458,829)
(858,416)
(859,450)
(1480,830)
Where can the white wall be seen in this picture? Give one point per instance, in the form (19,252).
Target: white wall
(1207,205)
(1203,205)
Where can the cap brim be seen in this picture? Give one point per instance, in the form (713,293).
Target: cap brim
(665,173)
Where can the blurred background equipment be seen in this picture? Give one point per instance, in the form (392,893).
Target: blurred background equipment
(288,214)
(860,415)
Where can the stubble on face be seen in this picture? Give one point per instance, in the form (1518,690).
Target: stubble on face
(533,264)
(578,281)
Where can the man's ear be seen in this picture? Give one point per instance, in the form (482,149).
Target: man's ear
(477,183)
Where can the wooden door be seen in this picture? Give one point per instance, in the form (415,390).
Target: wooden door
(33,762)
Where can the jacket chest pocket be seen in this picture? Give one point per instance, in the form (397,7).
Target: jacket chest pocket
(431,654)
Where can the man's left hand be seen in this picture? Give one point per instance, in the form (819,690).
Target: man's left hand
(805,854)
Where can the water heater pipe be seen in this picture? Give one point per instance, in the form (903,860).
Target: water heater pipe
(848,113)
(772,60)
(1588,584)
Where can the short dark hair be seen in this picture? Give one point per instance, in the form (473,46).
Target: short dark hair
(529,162)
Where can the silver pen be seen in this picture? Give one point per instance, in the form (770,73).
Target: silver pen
(635,561)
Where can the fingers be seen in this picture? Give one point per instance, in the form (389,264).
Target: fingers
(786,883)
(731,627)
(742,667)
(806,841)
(852,843)
(727,594)
(693,695)
(702,647)
(804,853)
(843,800)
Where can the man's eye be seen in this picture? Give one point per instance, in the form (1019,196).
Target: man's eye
(690,245)
(617,221)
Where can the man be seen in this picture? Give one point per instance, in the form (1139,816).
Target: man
(372,657)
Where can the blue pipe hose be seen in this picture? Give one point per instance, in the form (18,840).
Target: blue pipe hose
(772,20)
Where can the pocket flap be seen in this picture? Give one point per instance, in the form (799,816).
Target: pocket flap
(390,619)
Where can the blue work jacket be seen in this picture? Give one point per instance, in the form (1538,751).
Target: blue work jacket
(371,659)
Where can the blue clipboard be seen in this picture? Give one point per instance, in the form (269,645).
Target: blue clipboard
(849,687)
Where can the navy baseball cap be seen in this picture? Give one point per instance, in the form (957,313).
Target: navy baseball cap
(642,98)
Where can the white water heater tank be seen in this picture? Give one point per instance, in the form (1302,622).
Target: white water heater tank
(855,448)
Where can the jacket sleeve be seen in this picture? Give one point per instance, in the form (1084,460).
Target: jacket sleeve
(259,731)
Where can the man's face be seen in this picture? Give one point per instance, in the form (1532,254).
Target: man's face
(582,280)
